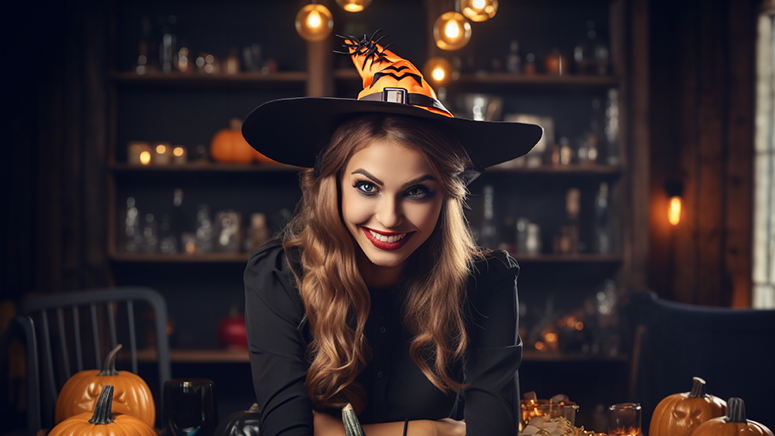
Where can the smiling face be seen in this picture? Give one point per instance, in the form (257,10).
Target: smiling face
(391,202)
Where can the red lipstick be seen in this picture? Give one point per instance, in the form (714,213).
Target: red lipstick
(386,245)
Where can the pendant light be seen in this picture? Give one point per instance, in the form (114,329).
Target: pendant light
(479,10)
(353,5)
(452,31)
(314,22)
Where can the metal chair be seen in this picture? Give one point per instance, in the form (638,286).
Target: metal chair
(21,327)
(731,349)
(76,330)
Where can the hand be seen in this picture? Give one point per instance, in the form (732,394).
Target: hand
(450,427)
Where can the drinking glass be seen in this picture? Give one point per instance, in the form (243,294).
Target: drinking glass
(624,419)
(188,407)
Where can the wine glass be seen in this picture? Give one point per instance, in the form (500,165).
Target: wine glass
(188,407)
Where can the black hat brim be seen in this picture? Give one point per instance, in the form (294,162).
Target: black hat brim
(294,130)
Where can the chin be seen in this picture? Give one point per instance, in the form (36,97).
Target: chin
(389,261)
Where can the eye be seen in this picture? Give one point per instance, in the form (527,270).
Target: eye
(365,187)
(419,192)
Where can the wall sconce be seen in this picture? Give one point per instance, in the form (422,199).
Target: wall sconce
(353,5)
(479,10)
(314,22)
(674,193)
(452,31)
(438,71)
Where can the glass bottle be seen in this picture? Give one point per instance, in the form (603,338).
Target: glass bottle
(602,221)
(489,229)
(150,234)
(178,219)
(567,242)
(168,243)
(168,44)
(514,60)
(611,128)
(144,63)
(204,229)
(530,65)
(131,235)
(600,53)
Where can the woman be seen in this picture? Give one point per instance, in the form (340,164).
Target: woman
(377,295)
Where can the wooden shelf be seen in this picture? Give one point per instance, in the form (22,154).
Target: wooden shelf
(571,80)
(538,80)
(194,80)
(123,168)
(241,356)
(180,258)
(226,355)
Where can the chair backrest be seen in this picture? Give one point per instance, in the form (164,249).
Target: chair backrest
(733,350)
(76,330)
(21,327)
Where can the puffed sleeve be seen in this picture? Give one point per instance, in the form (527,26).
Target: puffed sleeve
(495,350)
(273,313)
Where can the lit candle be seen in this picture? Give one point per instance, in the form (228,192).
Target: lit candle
(161,153)
(138,153)
(179,155)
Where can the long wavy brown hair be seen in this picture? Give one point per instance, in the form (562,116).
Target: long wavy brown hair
(336,298)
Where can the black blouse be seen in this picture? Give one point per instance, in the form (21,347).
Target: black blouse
(396,388)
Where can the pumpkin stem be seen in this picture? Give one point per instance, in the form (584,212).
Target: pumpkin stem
(109,368)
(698,388)
(253,408)
(736,410)
(104,407)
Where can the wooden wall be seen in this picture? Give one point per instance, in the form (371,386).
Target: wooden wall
(54,142)
(702,79)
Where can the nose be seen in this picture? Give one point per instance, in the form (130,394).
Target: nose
(390,214)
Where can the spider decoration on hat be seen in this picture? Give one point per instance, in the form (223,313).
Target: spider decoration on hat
(372,49)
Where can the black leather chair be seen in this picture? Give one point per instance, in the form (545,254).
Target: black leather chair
(75,331)
(733,350)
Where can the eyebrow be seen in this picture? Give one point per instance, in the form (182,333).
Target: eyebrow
(380,183)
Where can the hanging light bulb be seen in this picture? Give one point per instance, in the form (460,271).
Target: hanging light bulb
(451,31)
(314,22)
(353,5)
(438,71)
(479,10)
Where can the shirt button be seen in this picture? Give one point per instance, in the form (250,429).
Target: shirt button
(379,374)
(382,330)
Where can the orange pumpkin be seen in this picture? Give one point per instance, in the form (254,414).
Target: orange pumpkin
(229,146)
(81,392)
(102,422)
(734,424)
(679,414)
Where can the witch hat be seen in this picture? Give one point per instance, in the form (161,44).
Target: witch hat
(294,131)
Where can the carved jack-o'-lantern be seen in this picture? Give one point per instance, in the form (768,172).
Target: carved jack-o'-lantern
(81,392)
(680,414)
